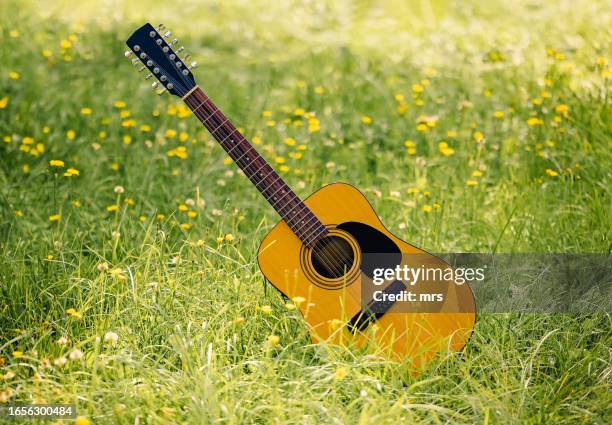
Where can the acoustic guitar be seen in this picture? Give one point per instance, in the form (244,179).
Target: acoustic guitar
(327,248)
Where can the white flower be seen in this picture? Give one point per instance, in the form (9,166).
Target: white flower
(103,266)
(111,337)
(62,340)
(116,235)
(60,361)
(76,354)
(119,189)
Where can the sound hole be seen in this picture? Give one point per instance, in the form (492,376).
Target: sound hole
(332,257)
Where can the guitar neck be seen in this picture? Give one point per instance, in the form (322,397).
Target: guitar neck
(292,210)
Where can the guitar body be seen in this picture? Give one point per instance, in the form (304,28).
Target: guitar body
(328,303)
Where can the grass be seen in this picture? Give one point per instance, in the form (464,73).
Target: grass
(518,92)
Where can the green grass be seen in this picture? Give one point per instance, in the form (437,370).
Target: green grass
(183,353)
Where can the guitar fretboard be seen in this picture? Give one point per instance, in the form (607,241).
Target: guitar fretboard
(292,210)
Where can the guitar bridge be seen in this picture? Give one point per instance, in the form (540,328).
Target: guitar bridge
(374,310)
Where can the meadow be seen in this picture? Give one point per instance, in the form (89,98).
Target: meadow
(129,285)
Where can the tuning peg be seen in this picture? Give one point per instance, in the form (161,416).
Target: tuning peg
(180,49)
(161,27)
(159,93)
(155,84)
(128,53)
(186,58)
(149,75)
(167,34)
(193,65)
(173,42)
(142,68)
(135,61)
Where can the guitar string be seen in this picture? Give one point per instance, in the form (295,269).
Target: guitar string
(332,264)
(303,227)
(330,243)
(338,256)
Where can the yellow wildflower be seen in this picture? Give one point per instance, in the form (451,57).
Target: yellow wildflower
(17,354)
(70,134)
(551,173)
(273,340)
(498,114)
(366,119)
(340,373)
(562,109)
(417,88)
(71,172)
(112,208)
(55,217)
(266,309)
(13,75)
(119,104)
(4,102)
(478,136)
(471,182)
(426,208)
(86,111)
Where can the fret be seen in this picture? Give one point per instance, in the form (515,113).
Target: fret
(218,127)
(293,211)
(199,106)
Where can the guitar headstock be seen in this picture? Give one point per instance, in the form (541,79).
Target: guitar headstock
(152,50)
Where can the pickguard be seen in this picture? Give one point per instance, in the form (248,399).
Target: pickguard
(373,241)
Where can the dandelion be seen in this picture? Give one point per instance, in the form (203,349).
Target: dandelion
(551,173)
(270,123)
(451,134)
(13,75)
(426,208)
(273,340)
(17,354)
(119,104)
(476,173)
(55,217)
(499,114)
(366,119)
(71,172)
(4,102)
(478,136)
(102,267)
(340,373)
(534,121)
(266,309)
(72,312)
(117,273)
(75,354)
(228,237)
(562,109)
(445,149)
(471,182)
(289,141)
(56,163)
(86,111)
(62,340)
(111,337)
(70,134)
(238,321)
(200,243)
(417,88)
(112,208)
(82,420)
